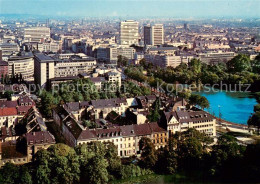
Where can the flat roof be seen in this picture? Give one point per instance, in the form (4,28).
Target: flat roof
(43,58)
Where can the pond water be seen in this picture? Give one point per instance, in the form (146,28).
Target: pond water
(235,107)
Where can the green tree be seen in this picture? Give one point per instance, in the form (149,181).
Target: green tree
(114,161)
(254,121)
(148,153)
(25,176)
(195,66)
(226,156)
(122,61)
(154,115)
(47,103)
(201,101)
(257,107)
(9,173)
(97,170)
(58,164)
(239,63)
(191,148)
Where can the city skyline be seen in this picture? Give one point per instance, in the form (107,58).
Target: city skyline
(130,8)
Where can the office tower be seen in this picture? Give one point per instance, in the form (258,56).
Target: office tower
(47,22)
(186,26)
(154,35)
(129,32)
(37,34)
(44,68)
(147,35)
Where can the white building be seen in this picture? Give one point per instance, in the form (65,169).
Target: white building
(61,65)
(129,32)
(179,121)
(49,47)
(9,48)
(164,60)
(154,35)
(44,68)
(127,52)
(22,65)
(37,34)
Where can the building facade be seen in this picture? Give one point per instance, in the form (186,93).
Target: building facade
(22,65)
(129,32)
(37,34)
(154,35)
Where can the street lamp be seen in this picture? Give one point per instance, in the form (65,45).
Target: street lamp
(219,112)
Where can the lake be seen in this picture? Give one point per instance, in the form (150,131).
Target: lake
(235,107)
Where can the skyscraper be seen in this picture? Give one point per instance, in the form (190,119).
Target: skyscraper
(154,35)
(147,35)
(129,32)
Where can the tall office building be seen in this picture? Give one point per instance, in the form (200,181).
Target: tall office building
(129,32)
(44,68)
(185,26)
(154,35)
(147,35)
(37,34)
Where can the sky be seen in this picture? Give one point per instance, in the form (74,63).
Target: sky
(135,8)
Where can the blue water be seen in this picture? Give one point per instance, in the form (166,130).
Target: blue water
(235,107)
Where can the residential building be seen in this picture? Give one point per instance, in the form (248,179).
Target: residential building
(37,141)
(99,109)
(179,121)
(13,111)
(3,68)
(113,77)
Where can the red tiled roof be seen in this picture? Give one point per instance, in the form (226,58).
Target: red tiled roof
(8,111)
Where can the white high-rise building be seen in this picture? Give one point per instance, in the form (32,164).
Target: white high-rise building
(154,35)
(129,32)
(37,34)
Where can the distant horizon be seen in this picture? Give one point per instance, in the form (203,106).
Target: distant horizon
(202,9)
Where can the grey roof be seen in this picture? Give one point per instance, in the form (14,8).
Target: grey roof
(43,57)
(189,116)
(97,79)
(113,102)
(163,48)
(3,63)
